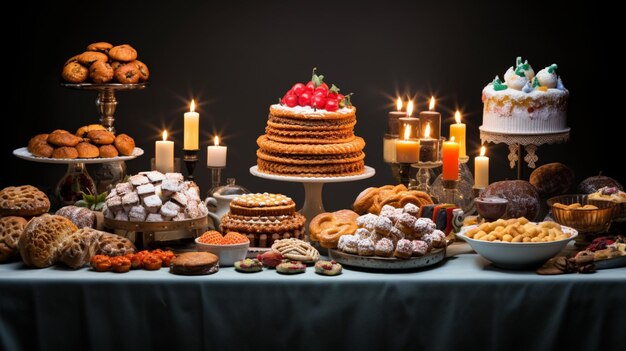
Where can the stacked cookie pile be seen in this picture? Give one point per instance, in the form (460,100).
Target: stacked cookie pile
(155,197)
(264,218)
(104,63)
(88,142)
(398,232)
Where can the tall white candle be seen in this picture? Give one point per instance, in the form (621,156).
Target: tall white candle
(164,155)
(481,170)
(192,123)
(216,154)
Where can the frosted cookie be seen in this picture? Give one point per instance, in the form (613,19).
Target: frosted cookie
(154,217)
(152,203)
(384,248)
(367,221)
(145,189)
(137,214)
(420,248)
(180,198)
(169,187)
(129,200)
(155,176)
(169,209)
(404,249)
(138,180)
(174,176)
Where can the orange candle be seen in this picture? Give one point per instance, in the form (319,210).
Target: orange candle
(450,156)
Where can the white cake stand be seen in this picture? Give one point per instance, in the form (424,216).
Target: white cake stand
(313,204)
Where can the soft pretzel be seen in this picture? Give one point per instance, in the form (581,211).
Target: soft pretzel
(328,227)
(371,200)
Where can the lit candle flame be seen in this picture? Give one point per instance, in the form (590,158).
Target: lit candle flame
(407,131)
(399,104)
(431,105)
(427,131)
(192,108)
(409,109)
(457,116)
(164,135)
(482,151)
(216,141)
(452,138)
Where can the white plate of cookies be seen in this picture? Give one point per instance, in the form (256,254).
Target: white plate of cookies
(517,243)
(23,153)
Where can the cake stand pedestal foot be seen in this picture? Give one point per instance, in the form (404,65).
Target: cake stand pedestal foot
(313,204)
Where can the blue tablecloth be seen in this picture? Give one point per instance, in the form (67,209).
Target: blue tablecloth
(462,303)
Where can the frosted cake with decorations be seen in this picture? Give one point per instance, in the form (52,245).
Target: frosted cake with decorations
(525,102)
(310,133)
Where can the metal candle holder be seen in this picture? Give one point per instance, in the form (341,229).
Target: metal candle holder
(450,192)
(191,159)
(423,174)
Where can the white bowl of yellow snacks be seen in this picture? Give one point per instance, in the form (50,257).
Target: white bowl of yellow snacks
(517,243)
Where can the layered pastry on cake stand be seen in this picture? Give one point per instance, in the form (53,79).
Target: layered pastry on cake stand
(76,179)
(525,111)
(313,203)
(107,173)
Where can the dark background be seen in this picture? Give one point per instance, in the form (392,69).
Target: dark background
(236,59)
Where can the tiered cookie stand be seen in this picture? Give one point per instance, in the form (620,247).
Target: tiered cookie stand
(76,178)
(518,142)
(313,204)
(107,173)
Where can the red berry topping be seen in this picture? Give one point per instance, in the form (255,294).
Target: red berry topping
(331,105)
(298,88)
(290,100)
(319,101)
(310,87)
(304,99)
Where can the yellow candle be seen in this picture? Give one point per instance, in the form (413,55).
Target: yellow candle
(450,156)
(216,154)
(481,170)
(192,122)
(407,150)
(164,155)
(457,130)
(389,150)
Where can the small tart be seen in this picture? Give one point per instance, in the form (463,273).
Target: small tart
(249,265)
(328,268)
(291,267)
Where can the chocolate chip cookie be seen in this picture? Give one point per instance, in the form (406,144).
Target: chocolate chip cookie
(124,53)
(74,72)
(87,58)
(101,46)
(101,72)
(127,74)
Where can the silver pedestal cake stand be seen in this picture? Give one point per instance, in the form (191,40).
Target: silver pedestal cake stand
(107,174)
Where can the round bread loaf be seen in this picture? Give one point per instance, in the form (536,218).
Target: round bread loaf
(595,183)
(42,238)
(195,263)
(114,245)
(78,248)
(523,197)
(11,228)
(24,200)
(80,216)
(552,179)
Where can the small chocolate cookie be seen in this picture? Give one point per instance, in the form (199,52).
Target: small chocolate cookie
(101,72)
(62,137)
(101,46)
(107,151)
(82,131)
(127,74)
(74,72)
(65,152)
(124,144)
(87,150)
(89,57)
(70,60)
(116,64)
(41,150)
(144,73)
(36,140)
(101,137)
(124,53)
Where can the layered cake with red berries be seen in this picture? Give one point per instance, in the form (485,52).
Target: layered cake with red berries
(310,133)
(525,103)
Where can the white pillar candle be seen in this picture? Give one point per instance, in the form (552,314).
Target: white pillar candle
(216,154)
(164,155)
(481,170)
(192,125)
